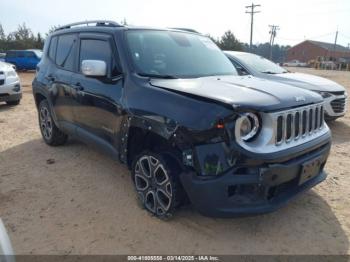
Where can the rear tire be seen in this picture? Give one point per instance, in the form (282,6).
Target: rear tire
(13,103)
(49,131)
(156,180)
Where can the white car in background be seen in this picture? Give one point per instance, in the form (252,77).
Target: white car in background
(296,63)
(334,95)
(10,86)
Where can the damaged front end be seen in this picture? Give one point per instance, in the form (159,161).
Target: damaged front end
(253,162)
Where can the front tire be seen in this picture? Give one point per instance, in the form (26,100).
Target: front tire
(49,131)
(157,184)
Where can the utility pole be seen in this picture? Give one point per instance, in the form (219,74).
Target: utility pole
(272,37)
(335,44)
(251,11)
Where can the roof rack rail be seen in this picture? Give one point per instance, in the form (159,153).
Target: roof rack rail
(96,22)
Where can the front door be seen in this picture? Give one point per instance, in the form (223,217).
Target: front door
(98,99)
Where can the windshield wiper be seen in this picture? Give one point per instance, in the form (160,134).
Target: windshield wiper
(159,76)
(269,72)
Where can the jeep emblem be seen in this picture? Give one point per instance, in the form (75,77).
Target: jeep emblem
(300,98)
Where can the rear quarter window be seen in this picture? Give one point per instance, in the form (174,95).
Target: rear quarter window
(52,48)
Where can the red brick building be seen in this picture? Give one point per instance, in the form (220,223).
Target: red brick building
(307,50)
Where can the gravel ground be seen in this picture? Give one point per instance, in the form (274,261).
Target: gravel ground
(74,200)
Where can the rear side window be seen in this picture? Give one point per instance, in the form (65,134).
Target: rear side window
(52,48)
(65,51)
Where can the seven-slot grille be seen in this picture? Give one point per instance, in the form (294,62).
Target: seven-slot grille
(298,123)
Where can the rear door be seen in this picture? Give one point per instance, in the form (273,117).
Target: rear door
(98,113)
(62,55)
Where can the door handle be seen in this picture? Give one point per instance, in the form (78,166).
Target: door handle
(78,87)
(51,78)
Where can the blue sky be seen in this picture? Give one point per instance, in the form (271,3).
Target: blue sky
(298,19)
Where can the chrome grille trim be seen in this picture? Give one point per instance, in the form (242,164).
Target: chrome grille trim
(310,121)
(272,138)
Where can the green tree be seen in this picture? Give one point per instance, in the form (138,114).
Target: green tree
(2,39)
(39,41)
(52,29)
(229,42)
(23,33)
(2,33)
(124,22)
(215,40)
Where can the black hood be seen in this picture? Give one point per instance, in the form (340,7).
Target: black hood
(242,91)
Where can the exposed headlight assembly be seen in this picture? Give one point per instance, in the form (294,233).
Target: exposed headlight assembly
(247,126)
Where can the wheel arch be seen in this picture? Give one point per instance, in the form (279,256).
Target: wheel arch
(140,134)
(38,97)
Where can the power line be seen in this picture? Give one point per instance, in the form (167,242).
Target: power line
(307,37)
(272,36)
(251,11)
(344,35)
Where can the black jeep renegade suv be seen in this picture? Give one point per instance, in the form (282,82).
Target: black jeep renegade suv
(170,105)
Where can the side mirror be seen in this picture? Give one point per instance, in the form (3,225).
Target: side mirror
(94,68)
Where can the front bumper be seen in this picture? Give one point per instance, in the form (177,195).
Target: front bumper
(335,106)
(10,92)
(264,188)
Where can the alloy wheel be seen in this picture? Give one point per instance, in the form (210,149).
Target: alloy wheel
(153,185)
(45,122)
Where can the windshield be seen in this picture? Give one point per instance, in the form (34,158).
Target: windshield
(261,64)
(171,54)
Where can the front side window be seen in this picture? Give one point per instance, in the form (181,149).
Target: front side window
(65,51)
(91,49)
(176,54)
(95,49)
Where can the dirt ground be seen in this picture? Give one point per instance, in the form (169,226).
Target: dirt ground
(84,202)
